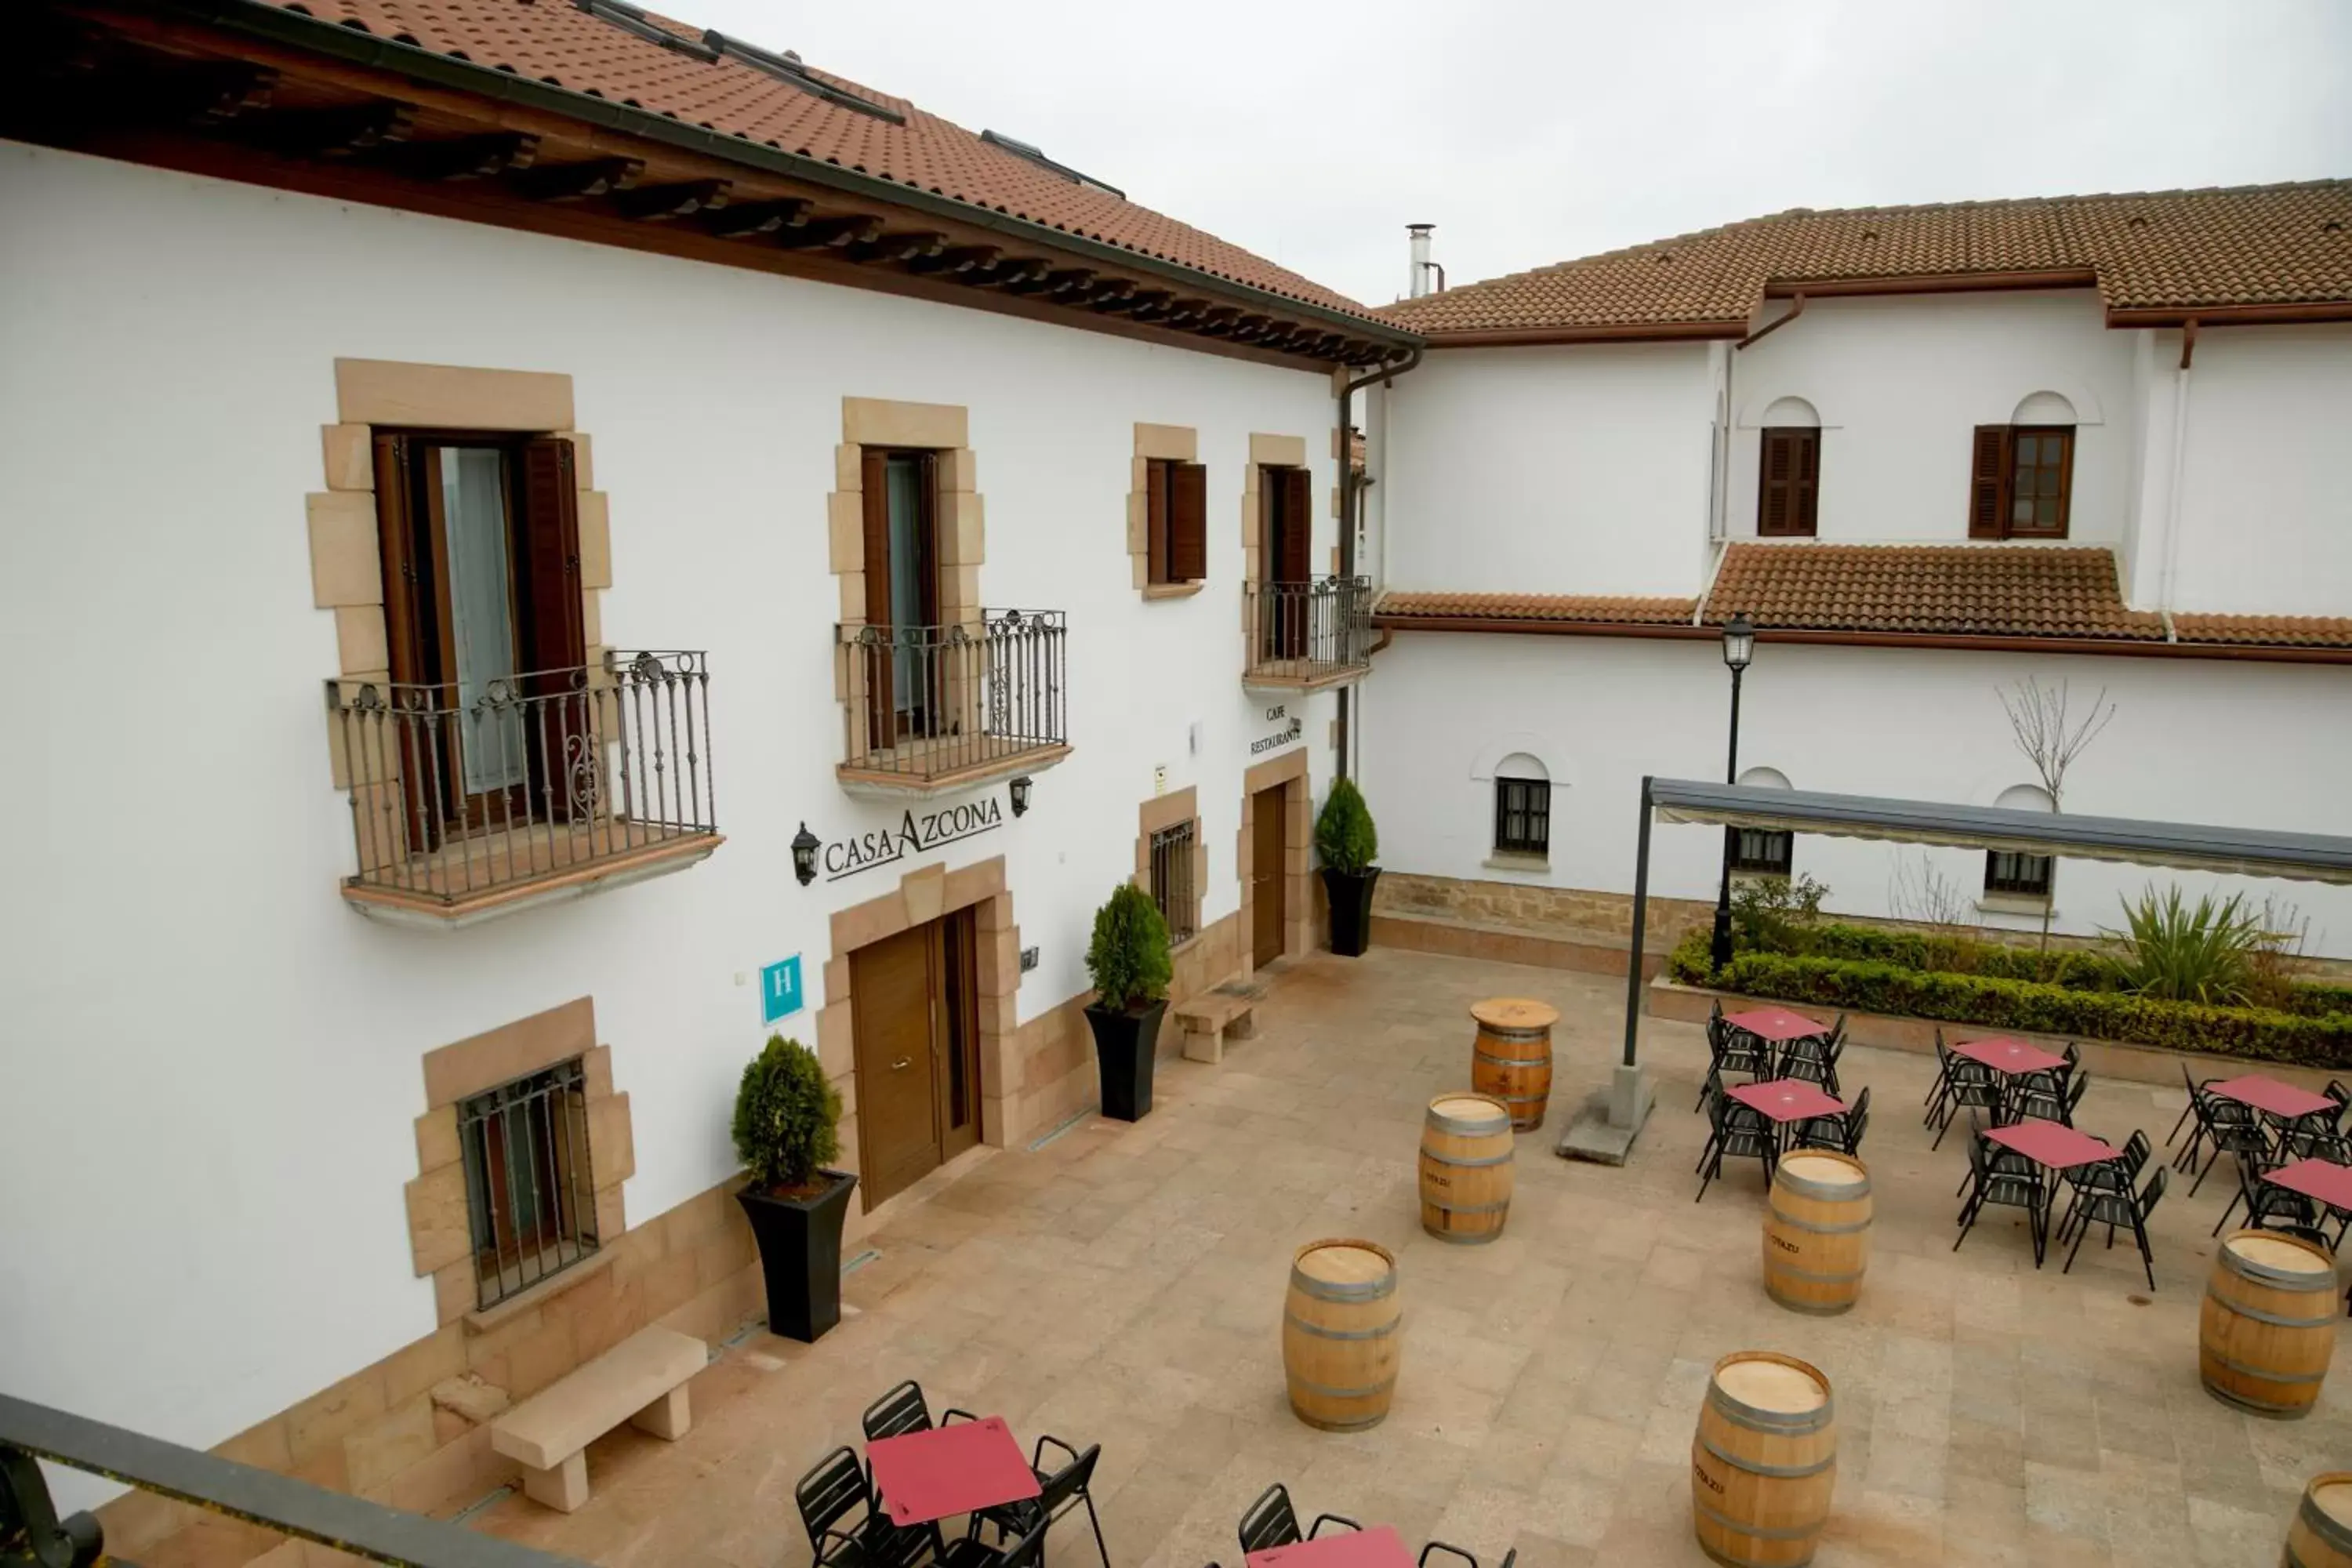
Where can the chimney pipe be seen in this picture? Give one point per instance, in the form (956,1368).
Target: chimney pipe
(1421,262)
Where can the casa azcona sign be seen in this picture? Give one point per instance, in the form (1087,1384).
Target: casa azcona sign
(915,832)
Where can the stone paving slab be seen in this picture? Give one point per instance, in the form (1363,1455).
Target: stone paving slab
(1123,1285)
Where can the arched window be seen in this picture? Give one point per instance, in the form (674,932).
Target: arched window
(2012,874)
(1787,486)
(2021,478)
(1763,851)
(1522,807)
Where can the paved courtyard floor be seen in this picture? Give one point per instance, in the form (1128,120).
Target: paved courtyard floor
(1123,1285)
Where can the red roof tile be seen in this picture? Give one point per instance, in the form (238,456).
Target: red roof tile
(555,42)
(2161,250)
(2266,631)
(1967,590)
(1588,607)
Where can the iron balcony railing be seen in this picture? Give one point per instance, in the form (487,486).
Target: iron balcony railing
(461,793)
(31,1532)
(1310,632)
(928,703)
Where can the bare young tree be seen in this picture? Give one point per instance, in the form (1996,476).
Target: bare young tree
(2050,737)
(1920,893)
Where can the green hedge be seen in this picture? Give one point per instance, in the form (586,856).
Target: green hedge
(1876,986)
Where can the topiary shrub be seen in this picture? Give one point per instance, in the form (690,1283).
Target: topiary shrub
(1344,835)
(1127,958)
(787,1118)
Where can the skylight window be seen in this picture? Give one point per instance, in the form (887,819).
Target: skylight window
(1035,154)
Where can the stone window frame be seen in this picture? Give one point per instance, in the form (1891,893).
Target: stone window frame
(923,895)
(1168,443)
(1288,770)
(440,1228)
(1157,815)
(346,550)
(942,429)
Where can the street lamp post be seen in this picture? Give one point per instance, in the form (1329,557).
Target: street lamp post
(1738,647)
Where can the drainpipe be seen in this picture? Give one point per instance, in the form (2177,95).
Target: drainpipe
(2180,468)
(1350,497)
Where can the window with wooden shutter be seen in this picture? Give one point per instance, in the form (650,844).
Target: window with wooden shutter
(1188,522)
(1989,483)
(1294,527)
(1155,519)
(553,636)
(2041,472)
(1786,505)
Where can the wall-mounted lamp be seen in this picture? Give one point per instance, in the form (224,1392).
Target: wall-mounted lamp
(1020,791)
(804,849)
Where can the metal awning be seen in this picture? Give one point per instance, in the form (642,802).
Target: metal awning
(2255,852)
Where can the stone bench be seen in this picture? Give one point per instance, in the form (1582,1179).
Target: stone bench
(642,1381)
(1209,1017)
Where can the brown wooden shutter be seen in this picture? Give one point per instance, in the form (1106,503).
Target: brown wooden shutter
(1775,492)
(1989,483)
(874,469)
(1297,526)
(396,527)
(1188,522)
(1807,517)
(552,635)
(1155,520)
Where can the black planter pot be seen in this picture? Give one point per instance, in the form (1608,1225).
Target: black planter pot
(1350,896)
(1124,1044)
(799,1252)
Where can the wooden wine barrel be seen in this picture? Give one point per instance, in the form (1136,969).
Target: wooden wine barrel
(1511,1059)
(1817,1232)
(1764,1461)
(2267,1326)
(2321,1535)
(1340,1339)
(1466,1167)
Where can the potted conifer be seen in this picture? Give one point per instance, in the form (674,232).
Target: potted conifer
(1127,960)
(1346,841)
(787,1126)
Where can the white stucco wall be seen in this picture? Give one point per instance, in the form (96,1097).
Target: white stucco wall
(214,1063)
(2256,746)
(1550,471)
(2266,476)
(1900,383)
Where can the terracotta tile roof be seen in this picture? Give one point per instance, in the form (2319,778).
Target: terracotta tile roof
(2161,250)
(555,42)
(1963,590)
(2266,631)
(1591,607)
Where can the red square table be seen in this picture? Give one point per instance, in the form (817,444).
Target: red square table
(1379,1547)
(2269,1095)
(2004,1055)
(2052,1144)
(1788,1099)
(951,1469)
(1776,1025)
(2328,1181)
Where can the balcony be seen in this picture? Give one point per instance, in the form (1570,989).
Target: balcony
(469,804)
(938,708)
(1308,636)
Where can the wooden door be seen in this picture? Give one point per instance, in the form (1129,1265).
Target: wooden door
(892,1008)
(1266,878)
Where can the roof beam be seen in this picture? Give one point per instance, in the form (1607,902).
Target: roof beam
(897,246)
(577,182)
(956,260)
(659,204)
(749,218)
(338,133)
(464,157)
(837,232)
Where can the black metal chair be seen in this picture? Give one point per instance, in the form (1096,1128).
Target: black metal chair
(2115,1175)
(1741,1132)
(1994,1185)
(2268,1205)
(1841,1131)
(2183,1162)
(1059,1491)
(1818,1065)
(1972,1084)
(903,1410)
(1941,1084)
(2232,1128)
(1734,1050)
(1453,1551)
(2305,1137)
(1028,1551)
(2115,1208)
(1272,1521)
(846,1528)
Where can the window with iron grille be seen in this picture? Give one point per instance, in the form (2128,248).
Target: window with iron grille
(529,1195)
(1522,816)
(2017,875)
(1762,851)
(1172,881)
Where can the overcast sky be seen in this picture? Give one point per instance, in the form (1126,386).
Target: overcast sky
(1532,132)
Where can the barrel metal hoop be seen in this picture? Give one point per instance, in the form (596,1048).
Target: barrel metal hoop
(1515,1034)
(2260,1375)
(1741,1527)
(1383,1331)
(1511,1061)
(2273,1318)
(1469,1208)
(1502,1159)
(1777,1472)
(1807,1224)
(1467,1237)
(1368,1392)
(2302,1281)
(1822,1192)
(2325,1525)
(1322,1290)
(1779,1268)
(1755,1420)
